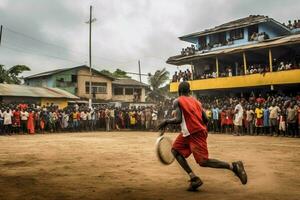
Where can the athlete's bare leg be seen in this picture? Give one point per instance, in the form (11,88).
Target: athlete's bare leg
(195,180)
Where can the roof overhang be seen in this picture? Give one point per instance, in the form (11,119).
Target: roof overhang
(286,40)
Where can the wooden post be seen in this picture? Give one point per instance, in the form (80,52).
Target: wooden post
(217,66)
(245,62)
(193,70)
(270,60)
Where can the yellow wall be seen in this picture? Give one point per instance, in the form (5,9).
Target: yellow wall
(62,103)
(84,75)
(271,78)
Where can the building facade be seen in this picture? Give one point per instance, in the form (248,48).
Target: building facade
(76,80)
(252,52)
(43,96)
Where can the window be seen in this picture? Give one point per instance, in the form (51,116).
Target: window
(128,91)
(237,34)
(217,39)
(118,91)
(138,91)
(252,32)
(97,88)
(74,78)
(202,42)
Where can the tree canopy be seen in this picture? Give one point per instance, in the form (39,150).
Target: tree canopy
(11,75)
(118,73)
(157,82)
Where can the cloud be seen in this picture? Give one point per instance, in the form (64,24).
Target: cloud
(125,30)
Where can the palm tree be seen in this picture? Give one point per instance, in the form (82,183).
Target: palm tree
(156,82)
(11,75)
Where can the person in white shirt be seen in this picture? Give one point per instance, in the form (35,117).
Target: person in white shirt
(84,121)
(24,118)
(238,118)
(1,122)
(7,121)
(154,119)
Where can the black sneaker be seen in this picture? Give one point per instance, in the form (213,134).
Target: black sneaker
(195,183)
(238,169)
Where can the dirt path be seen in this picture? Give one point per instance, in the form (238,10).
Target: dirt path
(124,166)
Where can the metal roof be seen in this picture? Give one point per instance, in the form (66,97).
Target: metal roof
(52,72)
(29,91)
(285,40)
(239,23)
(129,82)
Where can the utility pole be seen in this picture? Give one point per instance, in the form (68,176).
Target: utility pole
(1,33)
(90,54)
(140,75)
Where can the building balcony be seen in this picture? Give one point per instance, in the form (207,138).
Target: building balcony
(252,80)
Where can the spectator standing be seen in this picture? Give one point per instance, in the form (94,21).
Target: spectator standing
(238,118)
(112,118)
(250,120)
(24,118)
(30,122)
(292,120)
(16,121)
(282,123)
(259,113)
(266,120)
(154,118)
(7,121)
(107,119)
(274,115)
(215,116)
(1,122)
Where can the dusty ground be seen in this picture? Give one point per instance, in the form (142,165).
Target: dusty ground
(124,166)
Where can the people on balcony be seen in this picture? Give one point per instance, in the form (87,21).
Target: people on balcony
(294,25)
(188,51)
(182,76)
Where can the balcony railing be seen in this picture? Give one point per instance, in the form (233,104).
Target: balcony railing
(269,78)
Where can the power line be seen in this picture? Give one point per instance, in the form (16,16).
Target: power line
(77,52)
(38,54)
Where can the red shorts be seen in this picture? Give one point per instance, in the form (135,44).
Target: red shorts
(259,122)
(194,143)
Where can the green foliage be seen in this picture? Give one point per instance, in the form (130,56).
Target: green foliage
(157,82)
(11,75)
(118,73)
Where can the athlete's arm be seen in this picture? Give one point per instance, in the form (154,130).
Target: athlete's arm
(177,119)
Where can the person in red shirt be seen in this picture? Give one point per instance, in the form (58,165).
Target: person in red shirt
(192,139)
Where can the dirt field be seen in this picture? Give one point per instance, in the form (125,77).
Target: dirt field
(124,166)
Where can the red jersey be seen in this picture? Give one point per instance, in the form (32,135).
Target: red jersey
(192,121)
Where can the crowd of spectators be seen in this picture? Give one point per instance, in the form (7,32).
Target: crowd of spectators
(188,51)
(294,25)
(272,115)
(182,76)
(31,119)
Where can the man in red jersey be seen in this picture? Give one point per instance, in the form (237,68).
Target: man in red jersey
(192,139)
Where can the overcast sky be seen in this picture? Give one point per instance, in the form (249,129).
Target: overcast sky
(125,30)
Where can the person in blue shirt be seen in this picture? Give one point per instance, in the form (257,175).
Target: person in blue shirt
(266,120)
(216,118)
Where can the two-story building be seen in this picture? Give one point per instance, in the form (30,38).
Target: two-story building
(252,52)
(76,80)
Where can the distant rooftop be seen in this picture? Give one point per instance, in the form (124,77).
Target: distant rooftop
(239,23)
(28,91)
(129,82)
(52,72)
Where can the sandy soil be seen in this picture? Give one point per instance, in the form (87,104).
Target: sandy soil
(124,166)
